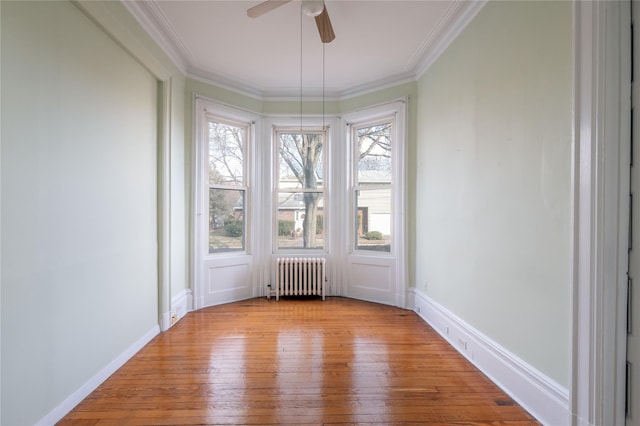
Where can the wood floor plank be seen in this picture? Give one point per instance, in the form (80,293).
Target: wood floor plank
(264,362)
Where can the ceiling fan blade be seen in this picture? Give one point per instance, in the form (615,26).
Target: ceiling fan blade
(324,27)
(264,7)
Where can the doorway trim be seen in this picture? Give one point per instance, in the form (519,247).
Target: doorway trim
(600,219)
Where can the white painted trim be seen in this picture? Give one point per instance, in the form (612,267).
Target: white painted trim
(396,260)
(459,15)
(600,164)
(147,15)
(202,108)
(338,220)
(196,204)
(83,391)
(181,304)
(614,201)
(410,299)
(227,84)
(164,202)
(375,86)
(400,216)
(582,390)
(541,396)
(165,321)
(1,222)
(293,93)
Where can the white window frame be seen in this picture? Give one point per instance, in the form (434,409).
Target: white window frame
(396,259)
(370,116)
(357,186)
(202,260)
(246,218)
(294,127)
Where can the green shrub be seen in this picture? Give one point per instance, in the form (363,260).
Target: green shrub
(319,224)
(372,235)
(233,227)
(285,227)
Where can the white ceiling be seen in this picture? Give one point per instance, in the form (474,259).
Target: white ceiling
(378,43)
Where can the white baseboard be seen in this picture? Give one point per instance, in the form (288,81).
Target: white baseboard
(410,298)
(541,396)
(76,397)
(181,303)
(165,321)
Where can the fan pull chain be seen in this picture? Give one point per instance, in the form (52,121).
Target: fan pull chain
(301,35)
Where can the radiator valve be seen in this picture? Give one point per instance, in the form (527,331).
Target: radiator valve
(269,291)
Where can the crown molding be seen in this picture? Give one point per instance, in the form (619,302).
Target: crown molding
(436,32)
(246,89)
(458,16)
(377,85)
(156,25)
(154,22)
(226,83)
(293,93)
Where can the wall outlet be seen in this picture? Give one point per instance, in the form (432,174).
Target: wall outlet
(174,319)
(463,343)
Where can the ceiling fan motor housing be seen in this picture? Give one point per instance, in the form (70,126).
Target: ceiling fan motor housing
(312,7)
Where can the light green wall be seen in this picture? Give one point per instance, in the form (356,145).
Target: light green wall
(78,177)
(493,199)
(116,20)
(179,233)
(488,163)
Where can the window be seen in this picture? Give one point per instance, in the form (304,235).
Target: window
(227,185)
(372,191)
(300,189)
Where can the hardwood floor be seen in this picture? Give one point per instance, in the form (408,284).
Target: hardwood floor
(264,362)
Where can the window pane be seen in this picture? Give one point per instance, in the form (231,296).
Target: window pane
(226,220)
(300,220)
(226,154)
(374,161)
(300,161)
(373,221)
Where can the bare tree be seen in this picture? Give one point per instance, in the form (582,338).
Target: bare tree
(302,154)
(375,148)
(225,153)
(226,170)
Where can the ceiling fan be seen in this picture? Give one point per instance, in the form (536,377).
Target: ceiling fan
(311,7)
